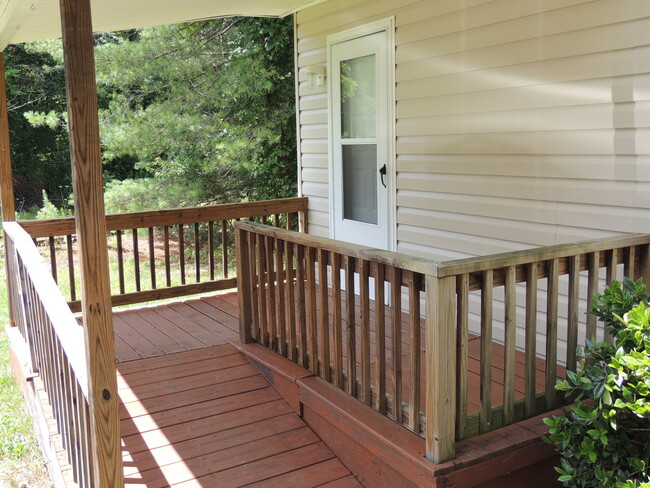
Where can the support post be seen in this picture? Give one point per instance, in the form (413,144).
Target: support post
(6,181)
(244,294)
(83,120)
(440,368)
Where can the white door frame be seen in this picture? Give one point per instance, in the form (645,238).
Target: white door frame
(388,27)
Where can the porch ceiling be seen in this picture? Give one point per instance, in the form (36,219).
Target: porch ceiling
(32,20)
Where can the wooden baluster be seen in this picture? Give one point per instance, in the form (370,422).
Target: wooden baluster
(485,413)
(462,338)
(628,265)
(276,220)
(337,319)
(531,338)
(593,265)
(644,264)
(302,304)
(324,315)
(396,315)
(440,379)
(244,290)
(280,289)
(414,321)
(120,261)
(255,284)
(573,312)
(287,224)
(351,324)
(552,294)
(168,268)
(136,259)
(510,345)
(380,336)
(73,285)
(610,263)
(152,259)
(312,317)
(364,298)
(53,258)
(224,248)
(211,249)
(265,220)
(181,252)
(271,277)
(291,301)
(197,253)
(262,289)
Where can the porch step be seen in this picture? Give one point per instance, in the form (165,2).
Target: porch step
(383,454)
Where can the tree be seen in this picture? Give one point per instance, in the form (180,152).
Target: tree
(39,141)
(206,109)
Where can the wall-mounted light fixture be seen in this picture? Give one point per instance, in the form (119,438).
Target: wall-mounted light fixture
(315,75)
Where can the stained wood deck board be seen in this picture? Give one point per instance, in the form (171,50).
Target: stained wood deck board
(216,317)
(207,417)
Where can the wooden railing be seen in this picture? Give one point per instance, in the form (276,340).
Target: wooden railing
(353,316)
(534,296)
(166,253)
(56,344)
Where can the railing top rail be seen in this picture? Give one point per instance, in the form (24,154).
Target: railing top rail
(397,260)
(502,260)
(134,220)
(68,331)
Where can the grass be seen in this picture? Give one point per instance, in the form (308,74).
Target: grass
(21,461)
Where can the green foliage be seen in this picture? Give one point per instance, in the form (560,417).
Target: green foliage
(137,195)
(604,439)
(39,138)
(206,106)
(50,211)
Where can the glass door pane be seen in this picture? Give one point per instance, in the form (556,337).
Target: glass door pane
(360,182)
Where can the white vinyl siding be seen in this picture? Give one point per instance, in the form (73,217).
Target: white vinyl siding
(518,123)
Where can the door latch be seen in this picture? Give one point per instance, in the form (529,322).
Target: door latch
(382,172)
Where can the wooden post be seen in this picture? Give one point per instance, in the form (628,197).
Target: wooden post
(244,292)
(302,221)
(81,91)
(440,368)
(6,182)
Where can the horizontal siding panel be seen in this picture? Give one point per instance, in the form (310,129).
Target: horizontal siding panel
(530,233)
(313,146)
(460,243)
(318,116)
(578,142)
(595,220)
(486,13)
(315,56)
(320,220)
(589,41)
(601,116)
(315,175)
(417,37)
(310,189)
(592,167)
(311,99)
(314,161)
(573,93)
(622,194)
(313,131)
(607,64)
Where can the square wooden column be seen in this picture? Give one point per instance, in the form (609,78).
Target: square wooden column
(6,181)
(83,120)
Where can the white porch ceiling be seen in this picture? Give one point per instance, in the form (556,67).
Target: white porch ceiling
(32,20)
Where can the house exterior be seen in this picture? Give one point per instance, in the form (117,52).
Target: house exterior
(511,124)
(439,129)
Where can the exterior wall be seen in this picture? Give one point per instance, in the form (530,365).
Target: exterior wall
(518,122)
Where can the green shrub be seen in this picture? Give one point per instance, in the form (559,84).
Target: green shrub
(604,439)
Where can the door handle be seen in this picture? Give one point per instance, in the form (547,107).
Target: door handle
(382,172)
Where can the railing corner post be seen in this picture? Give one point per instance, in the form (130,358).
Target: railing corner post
(244,292)
(440,368)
